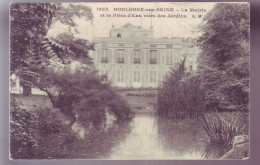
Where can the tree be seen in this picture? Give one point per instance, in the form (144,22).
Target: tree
(78,49)
(83,96)
(30,49)
(224,57)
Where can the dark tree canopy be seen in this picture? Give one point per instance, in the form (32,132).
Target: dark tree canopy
(224,57)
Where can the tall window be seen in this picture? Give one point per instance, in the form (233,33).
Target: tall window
(137,56)
(169,57)
(153,59)
(137,76)
(153,76)
(120,76)
(120,55)
(104,56)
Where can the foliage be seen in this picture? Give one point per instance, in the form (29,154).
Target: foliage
(224,58)
(24,132)
(215,151)
(222,128)
(49,121)
(180,94)
(56,135)
(84,96)
(77,48)
(30,49)
(141,92)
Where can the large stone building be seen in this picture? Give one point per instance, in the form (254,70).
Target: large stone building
(131,57)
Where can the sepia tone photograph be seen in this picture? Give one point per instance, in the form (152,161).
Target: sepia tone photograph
(129,81)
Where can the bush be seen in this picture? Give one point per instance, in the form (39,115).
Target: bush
(56,135)
(85,96)
(91,110)
(223,127)
(180,94)
(24,132)
(38,134)
(141,92)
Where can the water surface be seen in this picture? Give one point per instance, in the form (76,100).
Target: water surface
(160,138)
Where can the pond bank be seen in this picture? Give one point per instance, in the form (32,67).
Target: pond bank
(240,148)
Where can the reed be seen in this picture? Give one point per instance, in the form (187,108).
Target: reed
(180,94)
(223,127)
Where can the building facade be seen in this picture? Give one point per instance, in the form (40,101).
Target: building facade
(131,57)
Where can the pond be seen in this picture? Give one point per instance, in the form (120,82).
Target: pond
(151,137)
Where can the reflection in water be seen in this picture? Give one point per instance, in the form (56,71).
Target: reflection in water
(142,142)
(160,138)
(185,138)
(98,145)
(150,137)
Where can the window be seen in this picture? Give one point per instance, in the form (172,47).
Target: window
(118,35)
(137,56)
(153,59)
(169,46)
(121,45)
(104,44)
(153,45)
(104,56)
(120,55)
(137,45)
(169,57)
(153,76)
(120,76)
(137,77)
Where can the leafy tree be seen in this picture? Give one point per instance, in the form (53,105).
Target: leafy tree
(83,95)
(224,57)
(30,49)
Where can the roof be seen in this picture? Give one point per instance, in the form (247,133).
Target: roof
(131,27)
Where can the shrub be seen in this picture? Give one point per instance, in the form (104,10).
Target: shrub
(24,132)
(56,136)
(38,134)
(223,127)
(180,94)
(91,110)
(84,96)
(141,92)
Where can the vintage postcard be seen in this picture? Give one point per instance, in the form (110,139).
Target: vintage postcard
(129,80)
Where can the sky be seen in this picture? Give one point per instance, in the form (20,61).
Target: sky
(163,27)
